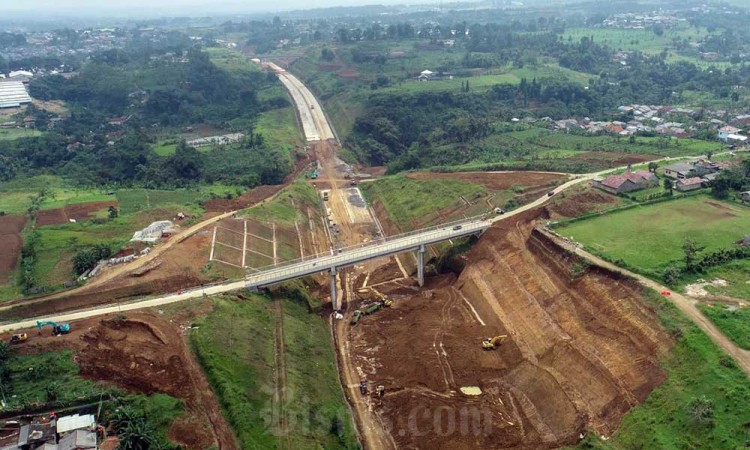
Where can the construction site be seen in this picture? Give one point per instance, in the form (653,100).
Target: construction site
(512,342)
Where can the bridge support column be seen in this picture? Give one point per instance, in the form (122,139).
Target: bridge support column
(420,265)
(334,296)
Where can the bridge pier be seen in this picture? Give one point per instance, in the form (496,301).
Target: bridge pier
(334,296)
(420,265)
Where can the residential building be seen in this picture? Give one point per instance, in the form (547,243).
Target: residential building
(78,440)
(425,75)
(629,181)
(726,131)
(689,184)
(679,170)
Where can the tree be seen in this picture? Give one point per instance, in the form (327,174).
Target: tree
(652,166)
(668,185)
(86,258)
(186,163)
(4,352)
(691,249)
(112,212)
(326,54)
(671,275)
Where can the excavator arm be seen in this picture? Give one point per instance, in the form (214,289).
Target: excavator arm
(491,343)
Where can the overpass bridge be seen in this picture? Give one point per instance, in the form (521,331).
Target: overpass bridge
(349,256)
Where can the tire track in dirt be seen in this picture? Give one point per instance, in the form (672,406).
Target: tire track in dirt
(280,378)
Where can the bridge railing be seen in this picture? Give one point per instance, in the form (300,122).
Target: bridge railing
(345,253)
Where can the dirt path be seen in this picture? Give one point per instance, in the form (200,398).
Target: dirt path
(280,378)
(370,429)
(685,304)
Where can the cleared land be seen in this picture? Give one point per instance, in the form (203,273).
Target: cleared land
(650,237)
(582,349)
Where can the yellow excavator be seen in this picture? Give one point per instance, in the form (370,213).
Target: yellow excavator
(491,343)
(386,301)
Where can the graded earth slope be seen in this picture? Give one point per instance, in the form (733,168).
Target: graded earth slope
(581,350)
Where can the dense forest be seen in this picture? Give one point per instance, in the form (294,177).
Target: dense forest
(172,90)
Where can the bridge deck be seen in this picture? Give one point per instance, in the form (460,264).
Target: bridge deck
(353,255)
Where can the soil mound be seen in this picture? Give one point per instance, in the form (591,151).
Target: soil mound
(581,349)
(10,243)
(579,203)
(147,355)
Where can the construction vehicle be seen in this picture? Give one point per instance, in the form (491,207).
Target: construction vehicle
(57,329)
(385,300)
(381,390)
(374,307)
(357,315)
(363,387)
(18,338)
(491,343)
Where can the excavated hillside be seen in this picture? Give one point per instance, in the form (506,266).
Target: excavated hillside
(582,349)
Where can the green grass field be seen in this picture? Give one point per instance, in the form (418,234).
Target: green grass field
(649,238)
(279,129)
(47,379)
(405,199)
(14,195)
(134,200)
(734,323)
(696,367)
(17,133)
(287,206)
(231,60)
(235,346)
(631,39)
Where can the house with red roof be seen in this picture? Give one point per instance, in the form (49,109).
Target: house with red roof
(628,181)
(689,184)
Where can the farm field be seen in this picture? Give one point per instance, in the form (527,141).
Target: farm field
(17,133)
(272,366)
(633,39)
(649,238)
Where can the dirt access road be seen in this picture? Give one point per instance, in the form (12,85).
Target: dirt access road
(685,304)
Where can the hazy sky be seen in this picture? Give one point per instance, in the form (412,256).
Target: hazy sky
(176,7)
